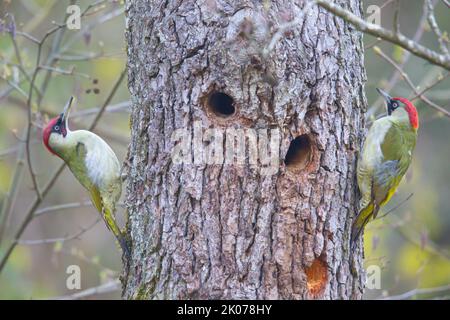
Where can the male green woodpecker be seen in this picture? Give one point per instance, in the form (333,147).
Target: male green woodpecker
(92,162)
(385,158)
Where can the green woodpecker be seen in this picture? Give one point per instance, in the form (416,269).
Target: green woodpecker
(92,162)
(385,158)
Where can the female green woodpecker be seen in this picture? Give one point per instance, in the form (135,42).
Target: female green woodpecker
(385,158)
(92,162)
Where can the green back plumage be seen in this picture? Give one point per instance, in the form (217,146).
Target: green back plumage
(385,158)
(75,160)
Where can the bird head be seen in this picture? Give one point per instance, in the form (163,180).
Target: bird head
(395,105)
(57,129)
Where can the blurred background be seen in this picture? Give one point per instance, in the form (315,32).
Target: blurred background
(410,245)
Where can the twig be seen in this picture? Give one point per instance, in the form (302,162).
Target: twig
(439,80)
(417,291)
(110,15)
(62,239)
(372,44)
(108,287)
(89,56)
(20,62)
(30,112)
(15,86)
(65,206)
(125,105)
(81,256)
(113,108)
(8,90)
(70,72)
(108,100)
(405,77)
(434,26)
(60,207)
(388,35)
(431,247)
(37,201)
(27,36)
(397,17)
(9,151)
(8,201)
(386,3)
(50,58)
(397,206)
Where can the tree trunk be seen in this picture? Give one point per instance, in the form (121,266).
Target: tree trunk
(241,168)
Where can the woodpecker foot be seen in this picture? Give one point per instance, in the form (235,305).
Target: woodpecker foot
(126,248)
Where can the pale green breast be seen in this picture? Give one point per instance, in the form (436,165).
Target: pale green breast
(92,161)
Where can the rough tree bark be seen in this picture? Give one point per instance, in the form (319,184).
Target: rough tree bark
(232,230)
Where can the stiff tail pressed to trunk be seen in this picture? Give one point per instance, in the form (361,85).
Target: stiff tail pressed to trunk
(108,216)
(361,220)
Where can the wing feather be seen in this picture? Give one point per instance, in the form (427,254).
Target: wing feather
(396,159)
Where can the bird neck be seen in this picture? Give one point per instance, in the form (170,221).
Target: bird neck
(62,146)
(403,118)
(411,110)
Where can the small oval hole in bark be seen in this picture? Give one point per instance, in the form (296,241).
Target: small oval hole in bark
(298,155)
(221,104)
(316,277)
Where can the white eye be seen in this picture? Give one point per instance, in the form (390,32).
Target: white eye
(56,128)
(395,104)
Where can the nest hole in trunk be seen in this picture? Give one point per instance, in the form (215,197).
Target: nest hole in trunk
(299,153)
(221,104)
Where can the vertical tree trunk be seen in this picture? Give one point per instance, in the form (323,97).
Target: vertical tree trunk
(272,222)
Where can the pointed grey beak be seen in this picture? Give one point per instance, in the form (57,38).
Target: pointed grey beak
(384,94)
(386,97)
(65,114)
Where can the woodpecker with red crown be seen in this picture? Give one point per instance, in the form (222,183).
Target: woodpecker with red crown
(93,163)
(385,158)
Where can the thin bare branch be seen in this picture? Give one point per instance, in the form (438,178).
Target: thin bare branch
(416,292)
(108,287)
(70,72)
(74,236)
(396,75)
(405,77)
(74,252)
(397,17)
(435,27)
(9,200)
(372,44)
(66,206)
(15,86)
(118,107)
(27,36)
(388,35)
(430,86)
(20,63)
(9,151)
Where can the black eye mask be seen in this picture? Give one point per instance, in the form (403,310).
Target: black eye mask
(393,105)
(60,127)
